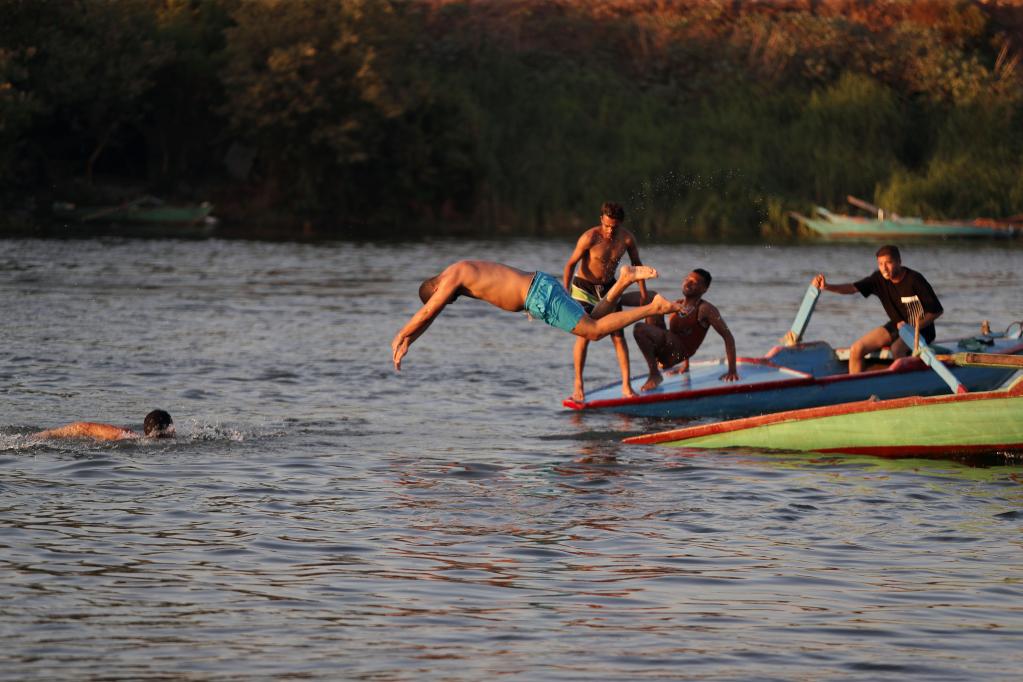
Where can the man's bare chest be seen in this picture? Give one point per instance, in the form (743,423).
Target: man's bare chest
(607,252)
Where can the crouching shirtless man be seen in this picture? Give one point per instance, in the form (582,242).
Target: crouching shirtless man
(675,344)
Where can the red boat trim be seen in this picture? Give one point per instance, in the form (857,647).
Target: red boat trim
(925,450)
(730,426)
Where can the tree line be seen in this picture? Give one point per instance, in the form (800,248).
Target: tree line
(705,119)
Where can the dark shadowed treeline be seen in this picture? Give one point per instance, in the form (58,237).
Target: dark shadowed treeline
(706,119)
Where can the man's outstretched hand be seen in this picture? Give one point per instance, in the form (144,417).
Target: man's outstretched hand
(399,347)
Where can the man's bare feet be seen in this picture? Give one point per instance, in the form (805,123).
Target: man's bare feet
(634,273)
(680,368)
(663,306)
(627,391)
(652,382)
(579,395)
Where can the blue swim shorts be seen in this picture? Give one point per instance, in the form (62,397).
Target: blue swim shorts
(547,300)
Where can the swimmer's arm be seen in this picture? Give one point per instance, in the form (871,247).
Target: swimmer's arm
(87,430)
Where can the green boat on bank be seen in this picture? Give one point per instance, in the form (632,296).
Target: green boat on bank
(144,212)
(935,426)
(891,226)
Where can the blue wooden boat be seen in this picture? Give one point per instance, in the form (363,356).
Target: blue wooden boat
(799,376)
(887,226)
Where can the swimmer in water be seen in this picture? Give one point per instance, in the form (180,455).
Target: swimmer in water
(158,424)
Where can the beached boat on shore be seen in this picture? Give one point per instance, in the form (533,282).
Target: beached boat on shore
(145,212)
(935,426)
(890,226)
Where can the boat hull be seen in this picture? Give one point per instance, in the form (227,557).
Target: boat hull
(806,375)
(162,215)
(971,423)
(838,226)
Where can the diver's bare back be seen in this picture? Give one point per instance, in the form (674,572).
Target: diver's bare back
(498,284)
(601,259)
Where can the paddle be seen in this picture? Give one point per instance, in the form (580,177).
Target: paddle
(871,208)
(865,205)
(983,360)
(931,360)
(915,310)
(795,334)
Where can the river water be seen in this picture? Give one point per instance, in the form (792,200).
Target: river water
(321,516)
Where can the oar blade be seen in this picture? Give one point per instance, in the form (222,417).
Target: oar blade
(931,360)
(795,333)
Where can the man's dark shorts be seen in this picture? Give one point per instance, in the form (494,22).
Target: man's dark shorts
(588,293)
(927,333)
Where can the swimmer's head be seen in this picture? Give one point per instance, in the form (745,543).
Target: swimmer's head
(158,424)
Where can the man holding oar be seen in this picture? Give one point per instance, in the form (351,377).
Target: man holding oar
(903,293)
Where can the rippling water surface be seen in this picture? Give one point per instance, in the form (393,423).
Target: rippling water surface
(322,517)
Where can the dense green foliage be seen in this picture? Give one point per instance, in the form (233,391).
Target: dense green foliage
(706,119)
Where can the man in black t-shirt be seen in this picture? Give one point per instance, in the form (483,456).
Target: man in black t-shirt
(898,288)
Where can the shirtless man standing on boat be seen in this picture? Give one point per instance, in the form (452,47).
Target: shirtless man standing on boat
(675,344)
(597,252)
(899,289)
(538,293)
(157,424)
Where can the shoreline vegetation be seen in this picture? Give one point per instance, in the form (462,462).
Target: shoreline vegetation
(706,120)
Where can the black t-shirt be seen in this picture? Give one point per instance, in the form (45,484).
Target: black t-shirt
(891,295)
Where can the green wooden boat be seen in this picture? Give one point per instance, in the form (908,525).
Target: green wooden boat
(143,211)
(890,226)
(960,424)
